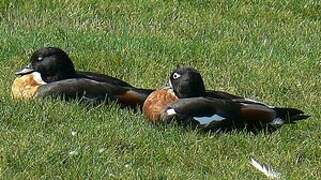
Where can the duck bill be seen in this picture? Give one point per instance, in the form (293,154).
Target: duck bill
(25,70)
(168,85)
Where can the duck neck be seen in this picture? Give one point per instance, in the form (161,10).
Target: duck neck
(59,76)
(188,93)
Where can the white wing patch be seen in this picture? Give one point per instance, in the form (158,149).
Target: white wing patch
(277,122)
(170,112)
(206,120)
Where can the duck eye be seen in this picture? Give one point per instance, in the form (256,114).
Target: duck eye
(176,75)
(40,58)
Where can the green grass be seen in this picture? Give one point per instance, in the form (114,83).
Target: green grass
(269,50)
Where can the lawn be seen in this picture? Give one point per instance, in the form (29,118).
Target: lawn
(267,50)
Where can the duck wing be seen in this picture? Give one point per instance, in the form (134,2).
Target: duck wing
(81,88)
(140,93)
(103,78)
(221,95)
(93,92)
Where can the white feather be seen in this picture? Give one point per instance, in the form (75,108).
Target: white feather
(266,170)
(206,120)
(37,77)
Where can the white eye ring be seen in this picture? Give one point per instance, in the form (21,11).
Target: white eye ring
(176,75)
(40,58)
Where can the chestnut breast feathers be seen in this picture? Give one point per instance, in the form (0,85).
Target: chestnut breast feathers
(156,103)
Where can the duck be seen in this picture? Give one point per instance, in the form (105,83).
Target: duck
(156,103)
(217,110)
(51,73)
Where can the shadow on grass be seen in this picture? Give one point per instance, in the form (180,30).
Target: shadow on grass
(213,131)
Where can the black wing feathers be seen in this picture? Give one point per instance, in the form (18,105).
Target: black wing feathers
(103,78)
(221,95)
(201,107)
(80,87)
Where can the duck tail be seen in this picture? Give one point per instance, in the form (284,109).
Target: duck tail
(290,115)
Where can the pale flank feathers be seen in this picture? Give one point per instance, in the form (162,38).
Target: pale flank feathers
(266,170)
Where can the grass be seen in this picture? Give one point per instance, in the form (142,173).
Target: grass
(269,50)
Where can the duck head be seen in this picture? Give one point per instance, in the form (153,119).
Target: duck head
(52,63)
(186,82)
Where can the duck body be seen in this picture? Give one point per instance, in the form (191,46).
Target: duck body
(159,100)
(60,79)
(220,110)
(222,114)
